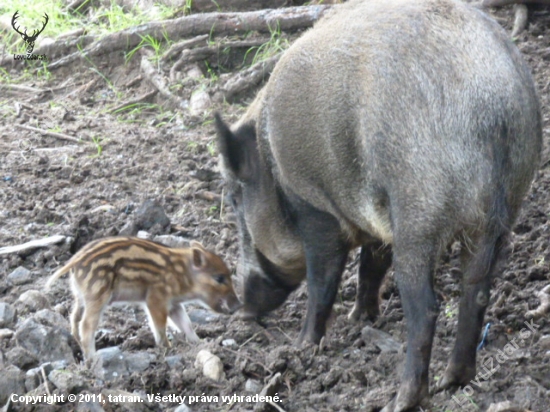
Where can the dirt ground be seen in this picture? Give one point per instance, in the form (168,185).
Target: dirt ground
(49,186)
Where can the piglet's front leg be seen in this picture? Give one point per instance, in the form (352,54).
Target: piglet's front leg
(179,316)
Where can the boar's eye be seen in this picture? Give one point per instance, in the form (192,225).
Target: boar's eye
(221,279)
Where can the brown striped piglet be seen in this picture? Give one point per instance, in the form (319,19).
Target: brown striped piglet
(129,269)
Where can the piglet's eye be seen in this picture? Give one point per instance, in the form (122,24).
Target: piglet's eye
(220,279)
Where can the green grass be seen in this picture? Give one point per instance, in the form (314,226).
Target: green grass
(274,45)
(97,141)
(103,20)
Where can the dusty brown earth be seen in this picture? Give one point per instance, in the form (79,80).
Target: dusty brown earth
(49,186)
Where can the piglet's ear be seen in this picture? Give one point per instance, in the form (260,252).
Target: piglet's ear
(196,244)
(199,258)
(239,150)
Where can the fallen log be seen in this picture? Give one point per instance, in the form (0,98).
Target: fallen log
(290,18)
(33,244)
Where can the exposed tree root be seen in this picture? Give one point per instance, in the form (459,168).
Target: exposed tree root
(291,18)
(246,79)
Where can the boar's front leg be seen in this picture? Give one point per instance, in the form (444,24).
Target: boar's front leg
(375,261)
(326,252)
(414,263)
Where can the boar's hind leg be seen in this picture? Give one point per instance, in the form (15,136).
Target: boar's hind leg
(476,285)
(326,252)
(374,263)
(414,263)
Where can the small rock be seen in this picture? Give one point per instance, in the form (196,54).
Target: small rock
(138,362)
(194,72)
(379,338)
(20,276)
(34,377)
(33,300)
(175,361)
(150,213)
(229,342)
(6,334)
(199,102)
(182,408)
(50,318)
(7,315)
(46,343)
(109,364)
(66,382)
(89,407)
(332,377)
(129,229)
(270,389)
(212,366)
(252,386)
(544,342)
(12,380)
(21,358)
(504,407)
(202,316)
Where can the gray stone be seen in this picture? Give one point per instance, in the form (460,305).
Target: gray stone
(12,380)
(7,315)
(109,364)
(202,316)
(252,386)
(200,102)
(21,358)
(6,334)
(89,407)
(544,342)
(20,276)
(150,213)
(66,382)
(34,377)
(182,408)
(382,340)
(229,342)
(138,362)
(33,300)
(175,361)
(48,317)
(46,343)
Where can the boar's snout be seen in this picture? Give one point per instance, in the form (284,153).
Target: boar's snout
(262,294)
(233,303)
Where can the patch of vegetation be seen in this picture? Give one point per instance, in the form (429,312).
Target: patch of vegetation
(276,44)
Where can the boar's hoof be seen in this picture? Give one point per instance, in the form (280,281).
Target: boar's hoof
(358,315)
(409,396)
(455,375)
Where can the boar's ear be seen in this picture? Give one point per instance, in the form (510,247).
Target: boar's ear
(238,149)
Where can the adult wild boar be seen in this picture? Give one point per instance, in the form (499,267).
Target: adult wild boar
(397,126)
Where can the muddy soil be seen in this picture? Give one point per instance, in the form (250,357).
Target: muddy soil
(86,191)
